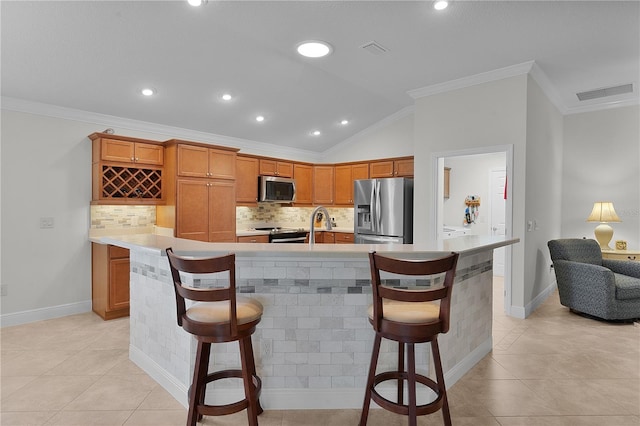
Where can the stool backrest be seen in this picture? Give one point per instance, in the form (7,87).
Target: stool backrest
(446,265)
(198,266)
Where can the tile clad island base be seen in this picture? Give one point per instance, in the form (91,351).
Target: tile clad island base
(313,345)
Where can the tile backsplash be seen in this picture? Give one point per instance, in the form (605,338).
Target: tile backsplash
(122,217)
(294,217)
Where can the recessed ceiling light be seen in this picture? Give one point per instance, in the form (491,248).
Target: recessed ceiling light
(314,49)
(148,91)
(440,5)
(197,3)
(344,122)
(226,97)
(316,133)
(260,118)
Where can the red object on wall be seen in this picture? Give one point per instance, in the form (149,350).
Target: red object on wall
(505,187)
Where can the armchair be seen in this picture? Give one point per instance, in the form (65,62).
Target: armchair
(587,283)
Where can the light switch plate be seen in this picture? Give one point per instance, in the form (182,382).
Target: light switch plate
(46,223)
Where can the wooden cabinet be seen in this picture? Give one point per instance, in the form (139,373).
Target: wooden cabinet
(303,175)
(344,177)
(622,255)
(201,192)
(253,239)
(323,184)
(328,237)
(131,152)
(126,170)
(344,238)
(198,161)
(109,281)
(447,181)
(273,167)
(397,167)
(247,169)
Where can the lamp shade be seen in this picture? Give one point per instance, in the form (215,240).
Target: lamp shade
(603,212)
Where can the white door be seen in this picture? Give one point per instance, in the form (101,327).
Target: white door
(497,215)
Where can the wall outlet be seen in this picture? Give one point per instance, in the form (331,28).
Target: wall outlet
(4,290)
(46,223)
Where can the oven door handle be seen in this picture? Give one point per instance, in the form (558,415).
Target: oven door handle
(288,240)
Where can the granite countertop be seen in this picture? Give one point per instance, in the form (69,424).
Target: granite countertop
(156,244)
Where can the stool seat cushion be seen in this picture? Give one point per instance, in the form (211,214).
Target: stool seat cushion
(218,312)
(408,312)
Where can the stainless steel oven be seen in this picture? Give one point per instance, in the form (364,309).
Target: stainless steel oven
(286,235)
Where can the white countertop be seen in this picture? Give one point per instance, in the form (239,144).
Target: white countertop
(156,244)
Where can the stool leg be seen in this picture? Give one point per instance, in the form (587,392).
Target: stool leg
(446,415)
(400,370)
(372,373)
(411,379)
(251,367)
(248,370)
(200,371)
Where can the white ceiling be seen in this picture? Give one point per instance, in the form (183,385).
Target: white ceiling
(96,55)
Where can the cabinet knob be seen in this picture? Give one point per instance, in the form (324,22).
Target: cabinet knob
(137,159)
(133,159)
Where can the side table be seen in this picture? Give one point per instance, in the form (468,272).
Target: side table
(621,255)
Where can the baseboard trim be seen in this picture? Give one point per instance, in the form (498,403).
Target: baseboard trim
(299,399)
(540,299)
(33,315)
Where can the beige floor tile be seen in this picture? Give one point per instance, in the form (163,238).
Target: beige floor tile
(625,392)
(160,399)
(89,362)
(32,362)
(11,384)
(89,418)
(267,418)
(328,417)
(114,393)
(125,367)
(488,368)
(47,393)
(157,418)
(532,366)
(25,418)
(570,421)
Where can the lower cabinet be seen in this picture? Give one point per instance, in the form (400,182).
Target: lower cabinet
(253,239)
(109,281)
(344,238)
(328,237)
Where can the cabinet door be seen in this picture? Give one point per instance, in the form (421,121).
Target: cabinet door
(222,164)
(303,175)
(344,185)
(147,153)
(403,168)
(222,211)
(268,167)
(192,209)
(284,169)
(118,284)
(247,180)
(329,237)
(253,239)
(381,169)
(115,150)
(193,161)
(344,238)
(323,184)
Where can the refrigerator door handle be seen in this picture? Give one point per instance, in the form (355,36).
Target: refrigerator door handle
(372,207)
(378,207)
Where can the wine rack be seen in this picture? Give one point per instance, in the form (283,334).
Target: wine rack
(120,183)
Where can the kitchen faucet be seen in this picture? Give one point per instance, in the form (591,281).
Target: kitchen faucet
(312,235)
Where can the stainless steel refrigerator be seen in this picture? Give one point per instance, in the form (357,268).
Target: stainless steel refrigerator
(383,211)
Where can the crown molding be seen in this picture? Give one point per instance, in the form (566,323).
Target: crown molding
(547,88)
(472,80)
(163,131)
(374,127)
(602,106)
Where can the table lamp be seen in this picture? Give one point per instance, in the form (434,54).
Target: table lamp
(603,212)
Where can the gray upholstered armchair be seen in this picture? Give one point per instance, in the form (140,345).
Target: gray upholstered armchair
(587,283)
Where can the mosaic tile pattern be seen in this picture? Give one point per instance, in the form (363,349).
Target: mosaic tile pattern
(119,217)
(314,333)
(294,217)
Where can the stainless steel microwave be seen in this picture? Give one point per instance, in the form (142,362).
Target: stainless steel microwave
(276,189)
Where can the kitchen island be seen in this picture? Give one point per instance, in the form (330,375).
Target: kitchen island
(313,344)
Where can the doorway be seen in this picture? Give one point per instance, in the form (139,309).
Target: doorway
(483,173)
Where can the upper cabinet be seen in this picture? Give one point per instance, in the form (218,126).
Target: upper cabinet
(126,151)
(126,170)
(323,184)
(303,175)
(272,167)
(199,161)
(398,167)
(345,175)
(247,170)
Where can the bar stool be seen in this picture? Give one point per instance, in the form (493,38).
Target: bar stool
(409,317)
(217,316)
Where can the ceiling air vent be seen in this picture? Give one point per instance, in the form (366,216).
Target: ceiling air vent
(374,48)
(607,91)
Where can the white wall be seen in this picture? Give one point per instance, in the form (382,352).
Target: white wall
(484,115)
(601,162)
(392,137)
(543,193)
(470,176)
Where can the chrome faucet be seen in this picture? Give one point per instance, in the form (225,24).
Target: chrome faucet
(312,235)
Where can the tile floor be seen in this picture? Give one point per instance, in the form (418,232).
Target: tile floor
(554,368)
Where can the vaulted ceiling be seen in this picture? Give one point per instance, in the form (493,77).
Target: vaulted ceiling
(96,56)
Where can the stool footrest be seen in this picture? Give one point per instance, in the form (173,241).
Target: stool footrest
(398,407)
(234,407)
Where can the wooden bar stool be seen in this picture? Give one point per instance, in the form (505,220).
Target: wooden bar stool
(217,316)
(409,317)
